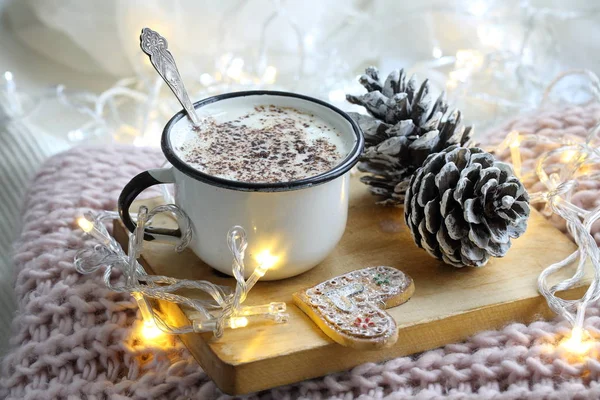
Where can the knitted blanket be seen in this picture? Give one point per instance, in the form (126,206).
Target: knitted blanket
(569,123)
(74,339)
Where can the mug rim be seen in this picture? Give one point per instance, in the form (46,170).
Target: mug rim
(341,168)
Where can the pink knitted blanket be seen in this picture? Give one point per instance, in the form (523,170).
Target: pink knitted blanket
(72,338)
(568,123)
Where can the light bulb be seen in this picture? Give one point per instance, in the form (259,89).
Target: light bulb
(150,331)
(309,41)
(143,305)
(206,79)
(576,344)
(270,75)
(468,59)
(514,139)
(85,224)
(261,270)
(271,308)
(235,69)
(266,260)
(238,322)
(277,307)
(570,155)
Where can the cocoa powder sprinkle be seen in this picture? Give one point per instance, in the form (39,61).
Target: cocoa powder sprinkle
(276,147)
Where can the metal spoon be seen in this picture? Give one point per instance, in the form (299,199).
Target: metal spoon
(156,46)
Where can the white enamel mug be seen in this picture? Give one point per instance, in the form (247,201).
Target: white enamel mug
(293,224)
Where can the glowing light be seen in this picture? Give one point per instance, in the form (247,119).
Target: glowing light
(266,260)
(150,331)
(144,308)
(270,74)
(451,84)
(309,41)
(206,79)
(469,59)
(11,92)
(575,344)
(238,322)
(436,52)
(234,71)
(76,135)
(570,156)
(85,224)
(514,139)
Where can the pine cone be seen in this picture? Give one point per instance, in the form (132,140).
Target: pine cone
(463,206)
(403,130)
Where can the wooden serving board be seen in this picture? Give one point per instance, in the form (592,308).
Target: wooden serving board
(449,304)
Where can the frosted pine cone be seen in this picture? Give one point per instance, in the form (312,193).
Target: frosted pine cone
(463,206)
(403,129)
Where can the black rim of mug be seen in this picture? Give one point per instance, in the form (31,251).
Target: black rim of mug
(350,160)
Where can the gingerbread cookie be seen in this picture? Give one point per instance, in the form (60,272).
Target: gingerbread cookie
(349,308)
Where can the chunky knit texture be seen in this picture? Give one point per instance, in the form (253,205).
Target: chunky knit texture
(569,123)
(72,338)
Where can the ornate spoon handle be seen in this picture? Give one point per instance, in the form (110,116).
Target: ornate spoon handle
(156,46)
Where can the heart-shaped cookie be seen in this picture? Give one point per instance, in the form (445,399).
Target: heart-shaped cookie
(350,308)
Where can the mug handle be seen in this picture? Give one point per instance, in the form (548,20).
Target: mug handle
(135,186)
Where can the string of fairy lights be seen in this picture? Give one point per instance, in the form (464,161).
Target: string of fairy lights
(560,170)
(223,308)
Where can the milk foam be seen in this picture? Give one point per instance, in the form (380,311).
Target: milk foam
(264,143)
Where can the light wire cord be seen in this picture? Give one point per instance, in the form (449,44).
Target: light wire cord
(216,310)
(560,180)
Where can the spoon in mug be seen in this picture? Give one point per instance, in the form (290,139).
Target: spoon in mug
(156,46)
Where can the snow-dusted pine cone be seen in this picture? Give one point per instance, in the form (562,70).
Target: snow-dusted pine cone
(403,129)
(463,206)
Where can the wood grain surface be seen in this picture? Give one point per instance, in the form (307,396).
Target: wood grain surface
(448,305)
